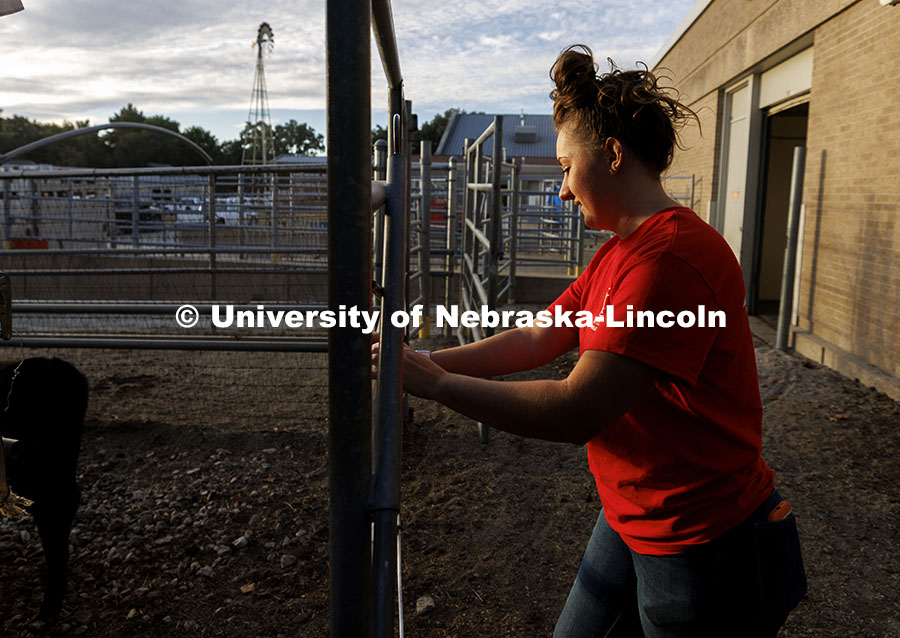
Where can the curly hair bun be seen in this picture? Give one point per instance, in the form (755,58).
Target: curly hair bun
(629,106)
(575,75)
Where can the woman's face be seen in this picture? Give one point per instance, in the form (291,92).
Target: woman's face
(586,180)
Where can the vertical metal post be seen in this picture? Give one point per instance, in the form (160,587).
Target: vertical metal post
(790,250)
(349,284)
(397,143)
(406,151)
(386,486)
(290,203)
(273,212)
(162,217)
(516,196)
(7,220)
(477,172)
(692,191)
(35,227)
(135,204)
(495,219)
(465,239)
(211,208)
(111,215)
(450,241)
(580,227)
(70,204)
(380,175)
(241,212)
(425,229)
(380,151)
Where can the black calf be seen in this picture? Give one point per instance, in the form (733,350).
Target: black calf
(45,401)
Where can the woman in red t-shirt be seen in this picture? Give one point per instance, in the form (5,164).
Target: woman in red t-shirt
(692,539)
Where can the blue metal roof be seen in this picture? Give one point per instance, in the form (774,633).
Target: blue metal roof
(471,125)
(305,160)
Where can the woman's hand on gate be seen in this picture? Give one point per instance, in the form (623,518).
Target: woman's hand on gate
(421,375)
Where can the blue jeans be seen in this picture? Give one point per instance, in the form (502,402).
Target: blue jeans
(742,584)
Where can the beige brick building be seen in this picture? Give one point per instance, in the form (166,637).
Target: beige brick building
(765,76)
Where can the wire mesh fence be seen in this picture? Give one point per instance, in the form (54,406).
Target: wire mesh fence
(107,253)
(271,206)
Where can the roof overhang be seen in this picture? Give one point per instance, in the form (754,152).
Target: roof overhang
(682,28)
(10,6)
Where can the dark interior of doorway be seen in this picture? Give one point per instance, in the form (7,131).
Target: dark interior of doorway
(785,129)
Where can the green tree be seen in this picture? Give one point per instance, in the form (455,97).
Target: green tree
(18,131)
(379,133)
(205,140)
(297,139)
(431,131)
(122,148)
(143,148)
(231,152)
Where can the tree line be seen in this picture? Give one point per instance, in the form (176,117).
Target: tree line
(431,131)
(123,148)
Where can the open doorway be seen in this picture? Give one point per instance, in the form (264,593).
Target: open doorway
(784,129)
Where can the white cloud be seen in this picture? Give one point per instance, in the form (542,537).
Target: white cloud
(64,59)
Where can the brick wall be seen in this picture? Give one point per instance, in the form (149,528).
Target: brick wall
(850,273)
(733,35)
(850,268)
(696,157)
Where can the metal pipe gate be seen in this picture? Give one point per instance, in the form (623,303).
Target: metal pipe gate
(482,257)
(364,454)
(159,236)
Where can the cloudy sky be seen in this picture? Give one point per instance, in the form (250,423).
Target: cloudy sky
(193,61)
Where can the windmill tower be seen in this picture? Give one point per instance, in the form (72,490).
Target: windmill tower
(261,149)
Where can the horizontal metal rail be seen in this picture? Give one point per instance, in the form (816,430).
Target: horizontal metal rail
(200,171)
(219,343)
(547,235)
(218,270)
(481,139)
(527,261)
(124,308)
(153,252)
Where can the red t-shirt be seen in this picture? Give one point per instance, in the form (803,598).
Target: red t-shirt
(683,465)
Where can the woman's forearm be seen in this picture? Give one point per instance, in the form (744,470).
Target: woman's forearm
(597,392)
(534,409)
(507,352)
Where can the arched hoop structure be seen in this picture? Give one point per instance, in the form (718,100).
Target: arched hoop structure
(100,127)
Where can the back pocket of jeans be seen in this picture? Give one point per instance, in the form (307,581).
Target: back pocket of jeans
(782,579)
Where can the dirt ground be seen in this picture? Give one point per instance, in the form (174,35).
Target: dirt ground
(205,506)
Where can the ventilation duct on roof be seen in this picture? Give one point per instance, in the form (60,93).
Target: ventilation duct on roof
(525,134)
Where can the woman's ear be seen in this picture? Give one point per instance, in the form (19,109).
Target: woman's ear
(614,152)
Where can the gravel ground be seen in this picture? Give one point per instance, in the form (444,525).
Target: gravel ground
(205,512)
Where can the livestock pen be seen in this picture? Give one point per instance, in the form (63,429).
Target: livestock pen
(114,259)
